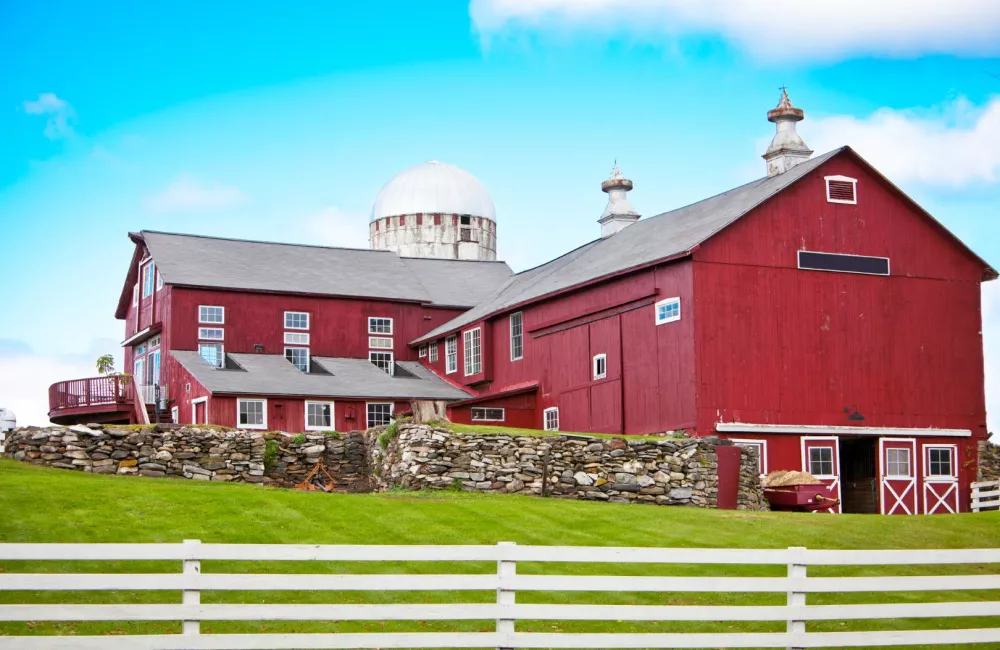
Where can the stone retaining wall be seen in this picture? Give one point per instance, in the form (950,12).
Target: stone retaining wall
(345,458)
(989,462)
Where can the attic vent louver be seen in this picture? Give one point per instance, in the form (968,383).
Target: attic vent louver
(841,189)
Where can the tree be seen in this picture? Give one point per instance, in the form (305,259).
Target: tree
(106,365)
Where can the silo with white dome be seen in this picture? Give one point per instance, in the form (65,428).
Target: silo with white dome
(435,210)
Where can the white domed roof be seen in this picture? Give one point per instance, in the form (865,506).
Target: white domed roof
(433,187)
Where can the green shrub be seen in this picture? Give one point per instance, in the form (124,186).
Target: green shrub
(332,434)
(387,436)
(299,439)
(270,455)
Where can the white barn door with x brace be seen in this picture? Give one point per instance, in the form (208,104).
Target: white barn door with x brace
(897,470)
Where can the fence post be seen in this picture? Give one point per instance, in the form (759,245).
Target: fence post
(506,570)
(192,567)
(796,570)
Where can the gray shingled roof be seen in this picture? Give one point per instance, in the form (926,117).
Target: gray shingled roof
(266,266)
(272,374)
(647,240)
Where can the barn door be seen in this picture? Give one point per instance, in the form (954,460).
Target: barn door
(898,475)
(940,479)
(821,458)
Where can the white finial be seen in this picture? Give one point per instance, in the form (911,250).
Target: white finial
(619,212)
(787,148)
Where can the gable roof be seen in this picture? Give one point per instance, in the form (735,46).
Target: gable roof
(668,235)
(195,260)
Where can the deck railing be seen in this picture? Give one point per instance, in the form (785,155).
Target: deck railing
(506,615)
(92,391)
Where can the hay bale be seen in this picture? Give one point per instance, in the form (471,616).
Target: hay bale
(784,478)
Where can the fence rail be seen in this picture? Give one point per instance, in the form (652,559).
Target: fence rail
(985,496)
(505,582)
(92,391)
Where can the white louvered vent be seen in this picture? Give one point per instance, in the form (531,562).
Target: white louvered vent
(842,189)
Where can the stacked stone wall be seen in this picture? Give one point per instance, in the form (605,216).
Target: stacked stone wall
(989,462)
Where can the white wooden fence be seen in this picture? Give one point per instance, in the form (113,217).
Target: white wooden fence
(505,611)
(985,495)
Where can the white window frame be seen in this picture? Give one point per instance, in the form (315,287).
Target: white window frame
(392,408)
(392,361)
(135,295)
(202,336)
(380,343)
(296,327)
(432,352)
(761,448)
(263,401)
(472,364)
(941,478)
(297,347)
(843,179)
(379,332)
(316,427)
(201,316)
(663,303)
(833,460)
(148,276)
(297,338)
(154,342)
(909,464)
(472,414)
(552,410)
(204,400)
(175,414)
(600,359)
(421,351)
(222,354)
(159,280)
(451,357)
(519,337)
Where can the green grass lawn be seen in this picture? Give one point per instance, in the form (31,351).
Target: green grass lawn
(48,505)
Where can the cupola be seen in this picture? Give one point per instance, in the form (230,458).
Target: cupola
(787,148)
(619,212)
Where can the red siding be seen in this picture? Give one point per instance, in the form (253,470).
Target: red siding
(288,413)
(519,411)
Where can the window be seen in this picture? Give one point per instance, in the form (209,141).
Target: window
(379,414)
(897,462)
(600,366)
(379,343)
(382,359)
(148,273)
(135,295)
(296,338)
(821,461)
(516,337)
(159,281)
(761,447)
(466,220)
(838,263)
(842,189)
(211,333)
(487,415)
(465,234)
(450,354)
(939,462)
(251,413)
(213,315)
(667,311)
(472,349)
(422,351)
(212,353)
(432,353)
(296,320)
(175,414)
(378,325)
(299,357)
(154,342)
(550,418)
(319,416)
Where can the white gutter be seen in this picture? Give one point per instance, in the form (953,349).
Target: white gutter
(807,429)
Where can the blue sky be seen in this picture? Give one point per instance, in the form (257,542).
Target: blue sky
(282,121)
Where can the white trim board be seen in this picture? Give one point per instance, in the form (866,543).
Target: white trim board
(814,429)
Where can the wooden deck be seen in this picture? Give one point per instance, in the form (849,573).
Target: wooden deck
(94,399)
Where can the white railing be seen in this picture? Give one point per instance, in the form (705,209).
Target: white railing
(985,496)
(505,611)
(148,393)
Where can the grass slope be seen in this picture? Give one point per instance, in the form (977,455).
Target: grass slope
(45,505)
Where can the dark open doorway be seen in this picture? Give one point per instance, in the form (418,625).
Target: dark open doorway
(858,475)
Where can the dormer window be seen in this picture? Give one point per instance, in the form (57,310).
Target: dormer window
(842,189)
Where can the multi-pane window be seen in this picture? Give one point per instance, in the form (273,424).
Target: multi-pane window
(487,415)
(382,359)
(422,351)
(516,336)
(551,418)
(378,325)
(135,295)
(939,462)
(211,333)
(148,275)
(319,416)
(379,414)
(432,353)
(298,357)
(668,311)
(296,320)
(451,354)
(821,461)
(379,342)
(251,413)
(472,348)
(600,366)
(211,315)
(154,342)
(761,448)
(296,338)
(159,281)
(212,353)
(897,462)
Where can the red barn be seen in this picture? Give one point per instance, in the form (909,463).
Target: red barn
(817,313)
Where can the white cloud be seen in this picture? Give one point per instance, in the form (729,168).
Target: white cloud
(332,226)
(991,349)
(188,194)
(777,29)
(955,145)
(60,115)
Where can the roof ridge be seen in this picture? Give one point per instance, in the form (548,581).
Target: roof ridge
(261,241)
